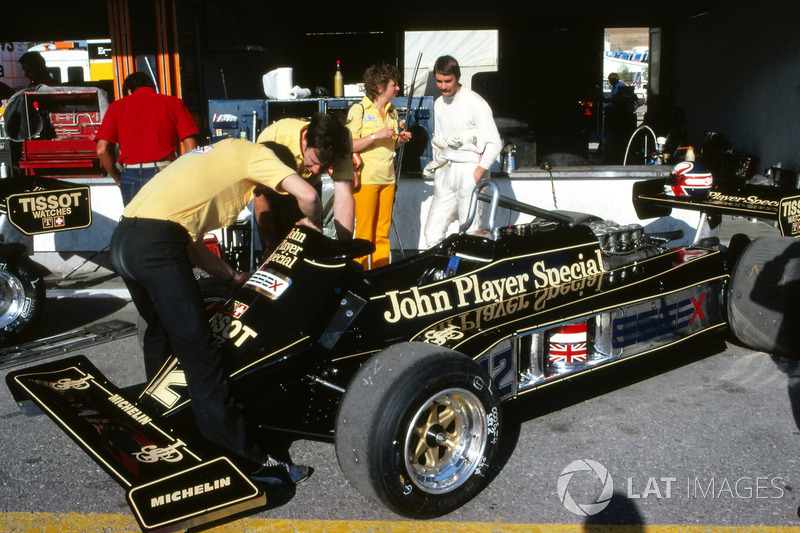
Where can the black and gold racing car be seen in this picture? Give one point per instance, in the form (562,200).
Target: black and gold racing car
(407,368)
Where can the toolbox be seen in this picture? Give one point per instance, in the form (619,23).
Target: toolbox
(64,124)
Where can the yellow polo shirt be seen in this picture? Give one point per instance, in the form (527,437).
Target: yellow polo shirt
(288,132)
(364,119)
(207,188)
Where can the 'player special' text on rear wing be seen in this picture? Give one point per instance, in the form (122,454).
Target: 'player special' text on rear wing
(755,201)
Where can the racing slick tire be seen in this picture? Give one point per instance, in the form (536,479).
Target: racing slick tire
(418,429)
(22,294)
(763,296)
(215,293)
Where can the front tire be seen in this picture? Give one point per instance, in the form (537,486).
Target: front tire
(418,429)
(22,296)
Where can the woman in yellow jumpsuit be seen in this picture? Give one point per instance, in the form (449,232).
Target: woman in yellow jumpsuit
(374,125)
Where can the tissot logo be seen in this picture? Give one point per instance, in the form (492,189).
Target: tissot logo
(190,492)
(791,208)
(790,214)
(52,205)
(43,211)
(226,328)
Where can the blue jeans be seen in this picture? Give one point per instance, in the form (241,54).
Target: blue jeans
(132,178)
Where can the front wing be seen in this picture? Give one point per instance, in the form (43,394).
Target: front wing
(169,484)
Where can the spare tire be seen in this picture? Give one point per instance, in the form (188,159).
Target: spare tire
(22,295)
(764,296)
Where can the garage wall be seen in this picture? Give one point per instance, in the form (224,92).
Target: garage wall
(737,72)
(732,65)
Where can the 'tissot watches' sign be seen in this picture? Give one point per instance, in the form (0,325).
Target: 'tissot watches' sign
(47,211)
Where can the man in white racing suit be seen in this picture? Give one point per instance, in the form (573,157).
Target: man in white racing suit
(465,144)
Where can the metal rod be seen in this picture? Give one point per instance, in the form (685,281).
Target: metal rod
(328,384)
(28,115)
(253,226)
(152,74)
(411,91)
(403,147)
(98,252)
(409,105)
(224,85)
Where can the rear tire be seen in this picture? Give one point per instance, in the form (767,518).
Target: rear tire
(763,296)
(22,296)
(418,429)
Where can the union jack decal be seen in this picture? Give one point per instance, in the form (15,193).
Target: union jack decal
(568,353)
(568,345)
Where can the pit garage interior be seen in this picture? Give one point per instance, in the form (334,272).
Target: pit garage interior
(729,66)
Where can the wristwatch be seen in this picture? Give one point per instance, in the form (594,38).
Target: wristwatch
(233,275)
(372,136)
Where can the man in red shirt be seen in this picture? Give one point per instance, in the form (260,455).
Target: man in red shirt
(148,128)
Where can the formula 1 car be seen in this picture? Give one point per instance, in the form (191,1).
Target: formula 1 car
(406,367)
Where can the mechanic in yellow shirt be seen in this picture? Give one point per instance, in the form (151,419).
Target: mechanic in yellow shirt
(374,125)
(160,236)
(307,142)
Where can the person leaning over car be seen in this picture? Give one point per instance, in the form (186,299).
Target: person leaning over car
(316,145)
(148,128)
(160,237)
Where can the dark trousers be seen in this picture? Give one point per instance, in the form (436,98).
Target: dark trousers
(152,258)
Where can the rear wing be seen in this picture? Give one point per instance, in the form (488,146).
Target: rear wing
(169,484)
(754,201)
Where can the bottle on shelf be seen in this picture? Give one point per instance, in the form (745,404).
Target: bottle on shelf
(338,81)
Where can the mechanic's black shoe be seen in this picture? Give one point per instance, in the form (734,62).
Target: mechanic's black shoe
(279,474)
